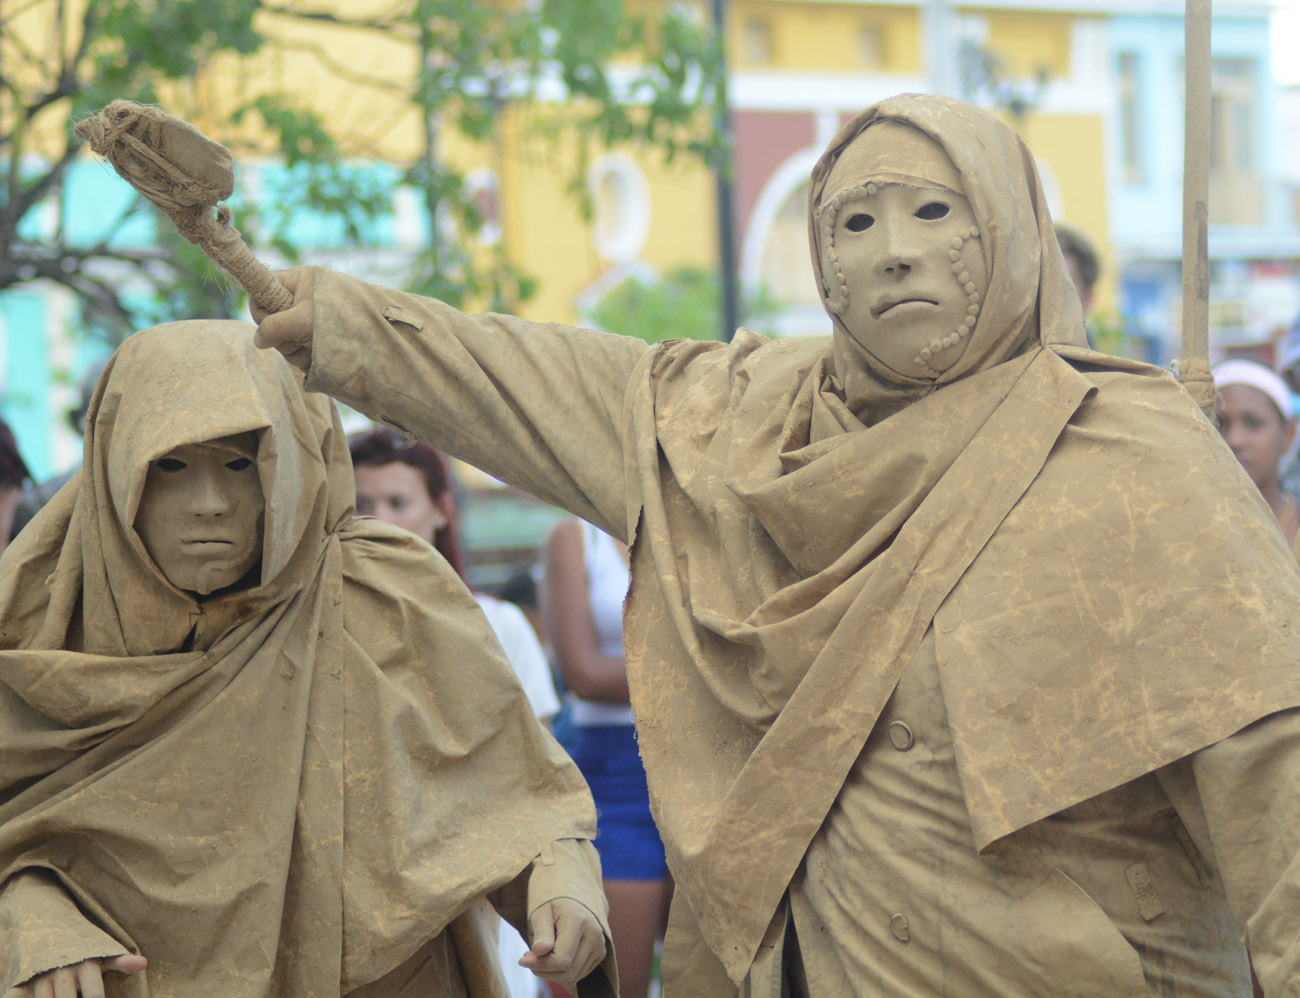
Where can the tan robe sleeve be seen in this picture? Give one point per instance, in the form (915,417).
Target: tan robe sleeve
(537,405)
(41,928)
(565,868)
(1240,800)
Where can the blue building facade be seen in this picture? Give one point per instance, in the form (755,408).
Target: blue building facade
(45,348)
(1254,238)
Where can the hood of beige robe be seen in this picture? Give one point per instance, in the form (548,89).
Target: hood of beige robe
(285,789)
(1030,300)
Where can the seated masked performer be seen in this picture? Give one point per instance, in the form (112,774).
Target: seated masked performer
(963,657)
(265,747)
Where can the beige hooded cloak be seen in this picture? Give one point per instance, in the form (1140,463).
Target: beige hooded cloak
(302,787)
(983,682)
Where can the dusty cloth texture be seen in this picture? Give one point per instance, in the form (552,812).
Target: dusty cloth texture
(1106,593)
(290,789)
(1111,896)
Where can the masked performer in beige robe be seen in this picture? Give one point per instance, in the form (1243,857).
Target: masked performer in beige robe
(270,748)
(962,657)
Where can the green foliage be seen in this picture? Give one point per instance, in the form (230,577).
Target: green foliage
(112,49)
(1109,333)
(985,79)
(684,303)
(479,58)
(475,59)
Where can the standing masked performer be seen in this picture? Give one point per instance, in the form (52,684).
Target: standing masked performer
(961,655)
(264,747)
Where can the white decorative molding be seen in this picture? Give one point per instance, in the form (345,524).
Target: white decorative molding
(619,235)
(783,181)
(784,90)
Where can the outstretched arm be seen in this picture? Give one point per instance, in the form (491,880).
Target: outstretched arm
(538,405)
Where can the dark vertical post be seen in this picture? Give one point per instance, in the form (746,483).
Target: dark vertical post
(723,172)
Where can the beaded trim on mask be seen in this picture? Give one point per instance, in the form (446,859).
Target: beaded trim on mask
(922,359)
(837,297)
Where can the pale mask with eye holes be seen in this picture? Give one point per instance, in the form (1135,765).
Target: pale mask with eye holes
(901,252)
(200,514)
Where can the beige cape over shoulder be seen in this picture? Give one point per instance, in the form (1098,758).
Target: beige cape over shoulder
(286,790)
(1107,591)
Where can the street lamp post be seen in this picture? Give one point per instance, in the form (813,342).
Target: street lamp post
(730,317)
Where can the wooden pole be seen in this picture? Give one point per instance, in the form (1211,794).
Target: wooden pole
(1196,183)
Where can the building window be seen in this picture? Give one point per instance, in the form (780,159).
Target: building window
(871,46)
(758,41)
(1130,117)
(786,268)
(621,199)
(1234,181)
(1232,112)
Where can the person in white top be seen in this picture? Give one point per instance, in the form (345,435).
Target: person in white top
(584,583)
(407,484)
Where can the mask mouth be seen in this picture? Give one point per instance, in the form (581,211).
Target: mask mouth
(887,305)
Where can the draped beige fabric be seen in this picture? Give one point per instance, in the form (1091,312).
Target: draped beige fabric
(1104,589)
(1069,523)
(289,789)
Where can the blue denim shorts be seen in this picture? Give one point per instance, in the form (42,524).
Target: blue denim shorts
(626,836)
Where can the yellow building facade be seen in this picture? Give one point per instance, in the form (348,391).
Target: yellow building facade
(797,69)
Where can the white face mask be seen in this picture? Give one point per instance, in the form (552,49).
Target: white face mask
(200,514)
(914,274)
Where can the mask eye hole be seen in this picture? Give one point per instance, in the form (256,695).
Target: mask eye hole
(239,464)
(859,222)
(932,211)
(170,464)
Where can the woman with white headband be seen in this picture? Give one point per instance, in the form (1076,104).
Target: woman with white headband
(1255,413)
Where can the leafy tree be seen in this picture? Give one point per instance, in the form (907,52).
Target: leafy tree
(61,59)
(683,303)
(986,79)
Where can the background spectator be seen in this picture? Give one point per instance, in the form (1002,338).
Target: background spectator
(407,484)
(1255,413)
(1289,368)
(13,475)
(1082,259)
(584,582)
